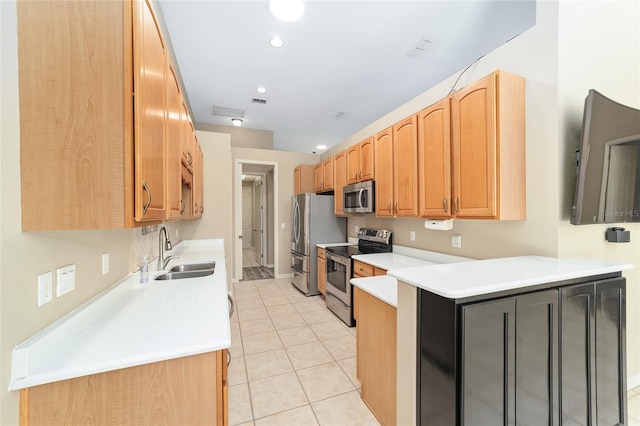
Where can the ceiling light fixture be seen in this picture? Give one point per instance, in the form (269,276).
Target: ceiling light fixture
(261,90)
(276,42)
(236,122)
(321,147)
(286,10)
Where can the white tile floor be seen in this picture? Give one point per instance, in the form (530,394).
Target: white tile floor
(293,362)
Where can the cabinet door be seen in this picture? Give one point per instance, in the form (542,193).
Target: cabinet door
(188,133)
(405,167)
(610,350)
(327,174)
(198,182)
(473,130)
(537,346)
(353,164)
(149,89)
(322,275)
(297,180)
(488,363)
(367,159)
(174,144)
(383,145)
(434,160)
(319,177)
(578,335)
(339,181)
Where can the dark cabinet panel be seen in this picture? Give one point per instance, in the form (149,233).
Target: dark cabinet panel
(488,363)
(593,354)
(537,345)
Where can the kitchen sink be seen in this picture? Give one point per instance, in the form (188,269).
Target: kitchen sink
(194,267)
(184,274)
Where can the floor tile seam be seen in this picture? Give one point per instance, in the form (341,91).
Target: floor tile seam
(242,334)
(330,353)
(284,411)
(282,374)
(327,363)
(347,374)
(250,403)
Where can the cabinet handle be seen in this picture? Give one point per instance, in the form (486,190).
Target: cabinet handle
(232,305)
(228,357)
(148,203)
(396,207)
(445,205)
(389,207)
(190,160)
(201,209)
(182,206)
(456,206)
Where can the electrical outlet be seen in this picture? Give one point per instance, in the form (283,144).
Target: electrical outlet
(456,241)
(105,263)
(45,288)
(177,232)
(412,235)
(357,229)
(66,279)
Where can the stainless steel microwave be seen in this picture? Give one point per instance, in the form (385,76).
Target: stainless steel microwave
(360,197)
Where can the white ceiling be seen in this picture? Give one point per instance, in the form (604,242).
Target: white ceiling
(345,57)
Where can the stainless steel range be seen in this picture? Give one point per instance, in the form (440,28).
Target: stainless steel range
(339,293)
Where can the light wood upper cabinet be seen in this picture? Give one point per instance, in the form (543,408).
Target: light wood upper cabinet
(360,161)
(304,179)
(383,144)
(434,160)
(188,138)
(149,61)
(339,181)
(405,167)
(198,181)
(324,176)
(173,124)
(488,148)
(108,161)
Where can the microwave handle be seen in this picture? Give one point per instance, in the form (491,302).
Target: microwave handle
(360,201)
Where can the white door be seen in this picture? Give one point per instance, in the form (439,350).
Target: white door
(246,216)
(258,221)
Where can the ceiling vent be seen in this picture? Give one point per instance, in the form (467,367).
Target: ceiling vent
(338,115)
(259,101)
(227,112)
(419,49)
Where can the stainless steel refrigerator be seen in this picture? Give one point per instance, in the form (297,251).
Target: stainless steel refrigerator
(313,222)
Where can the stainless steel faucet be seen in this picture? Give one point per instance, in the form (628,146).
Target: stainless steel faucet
(162,261)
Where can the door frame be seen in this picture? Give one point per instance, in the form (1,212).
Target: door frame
(237,191)
(263,212)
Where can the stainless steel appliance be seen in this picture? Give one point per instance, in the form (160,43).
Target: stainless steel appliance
(360,197)
(339,293)
(313,222)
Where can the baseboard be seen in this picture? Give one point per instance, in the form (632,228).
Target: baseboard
(283,275)
(633,382)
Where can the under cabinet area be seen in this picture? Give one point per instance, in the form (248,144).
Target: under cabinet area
(552,356)
(99,130)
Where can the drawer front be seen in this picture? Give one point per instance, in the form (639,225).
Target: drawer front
(362,269)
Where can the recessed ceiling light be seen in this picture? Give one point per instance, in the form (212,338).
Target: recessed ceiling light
(261,90)
(321,147)
(236,122)
(276,41)
(286,10)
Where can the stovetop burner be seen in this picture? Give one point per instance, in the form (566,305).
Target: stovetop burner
(369,241)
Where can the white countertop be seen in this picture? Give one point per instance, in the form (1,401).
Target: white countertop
(383,287)
(466,279)
(391,260)
(325,245)
(132,324)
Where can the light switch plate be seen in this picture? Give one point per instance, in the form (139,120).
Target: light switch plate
(45,288)
(66,279)
(105,263)
(412,235)
(456,241)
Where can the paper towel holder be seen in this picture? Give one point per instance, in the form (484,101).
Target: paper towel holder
(439,224)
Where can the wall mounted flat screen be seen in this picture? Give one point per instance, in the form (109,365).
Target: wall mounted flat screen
(608,178)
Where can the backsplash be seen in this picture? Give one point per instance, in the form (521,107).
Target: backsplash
(146,242)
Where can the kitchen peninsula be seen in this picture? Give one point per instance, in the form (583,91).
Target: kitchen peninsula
(139,353)
(500,339)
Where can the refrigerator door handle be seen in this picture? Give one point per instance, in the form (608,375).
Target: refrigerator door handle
(297,222)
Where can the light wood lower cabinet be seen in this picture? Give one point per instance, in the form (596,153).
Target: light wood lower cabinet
(183,391)
(376,345)
(322,271)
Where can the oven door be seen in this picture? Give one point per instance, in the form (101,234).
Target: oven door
(338,277)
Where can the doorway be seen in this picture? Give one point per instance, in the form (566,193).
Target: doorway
(255,216)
